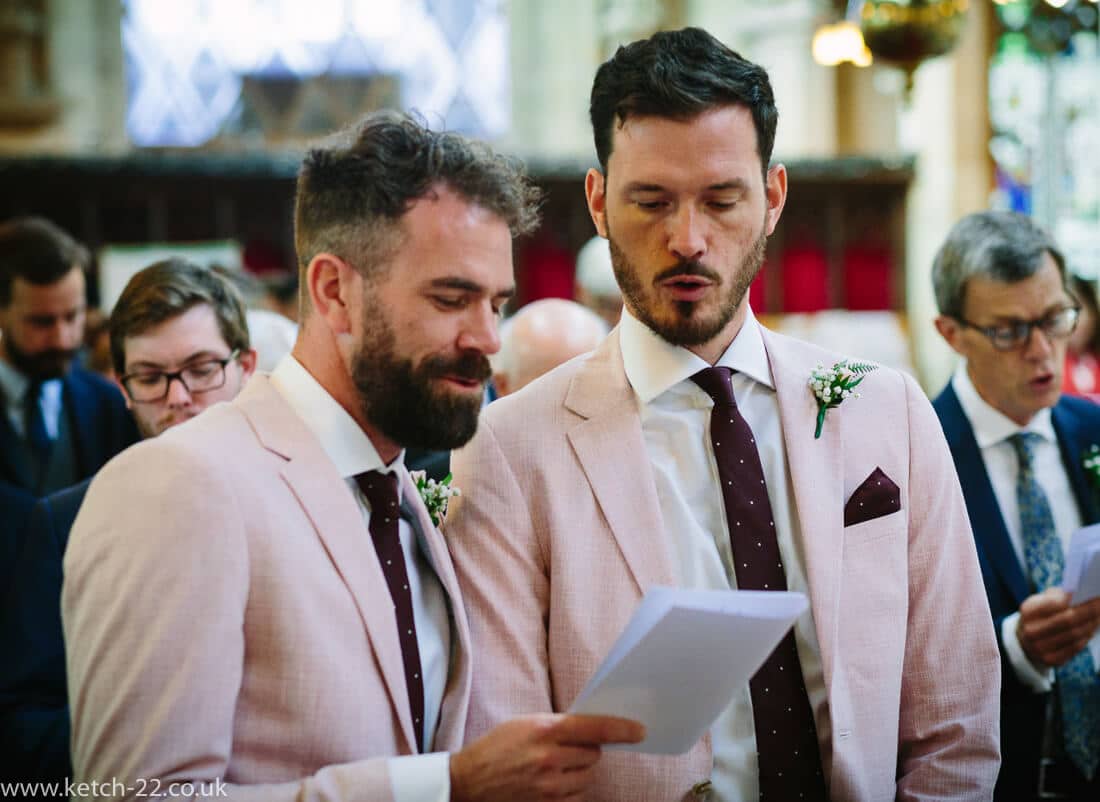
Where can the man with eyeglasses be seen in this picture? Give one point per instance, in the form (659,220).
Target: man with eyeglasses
(180,342)
(1018,445)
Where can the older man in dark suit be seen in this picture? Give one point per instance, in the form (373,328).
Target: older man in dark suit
(1019,448)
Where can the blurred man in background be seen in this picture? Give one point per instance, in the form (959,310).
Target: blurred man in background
(595,285)
(541,336)
(60,422)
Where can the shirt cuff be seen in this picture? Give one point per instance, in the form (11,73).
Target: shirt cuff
(1094,650)
(421,778)
(1040,681)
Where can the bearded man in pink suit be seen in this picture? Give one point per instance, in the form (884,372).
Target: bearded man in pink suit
(257,604)
(682,451)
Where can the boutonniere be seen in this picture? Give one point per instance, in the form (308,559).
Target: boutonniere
(435,495)
(831,386)
(1091,462)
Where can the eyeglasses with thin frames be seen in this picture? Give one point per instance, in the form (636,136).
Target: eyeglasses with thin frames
(146,387)
(1014,334)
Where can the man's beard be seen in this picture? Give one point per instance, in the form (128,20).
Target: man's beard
(45,365)
(400,400)
(686,328)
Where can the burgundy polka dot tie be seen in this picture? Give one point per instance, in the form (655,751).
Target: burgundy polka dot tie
(786,738)
(380,490)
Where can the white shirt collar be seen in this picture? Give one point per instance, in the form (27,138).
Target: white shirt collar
(343,442)
(653,365)
(990,425)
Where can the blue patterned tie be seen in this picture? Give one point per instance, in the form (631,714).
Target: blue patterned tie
(1078,684)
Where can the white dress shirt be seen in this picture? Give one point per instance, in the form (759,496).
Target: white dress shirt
(417,778)
(992,430)
(675,416)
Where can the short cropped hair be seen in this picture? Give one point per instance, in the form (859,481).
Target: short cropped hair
(165,290)
(679,75)
(37,251)
(352,194)
(1003,246)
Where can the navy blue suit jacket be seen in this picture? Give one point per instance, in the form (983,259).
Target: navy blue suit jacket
(100,423)
(1077,426)
(34,711)
(17,503)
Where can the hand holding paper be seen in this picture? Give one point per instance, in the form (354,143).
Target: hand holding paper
(681,658)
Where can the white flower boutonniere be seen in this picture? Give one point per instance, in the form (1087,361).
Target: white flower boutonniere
(435,495)
(831,386)
(1091,462)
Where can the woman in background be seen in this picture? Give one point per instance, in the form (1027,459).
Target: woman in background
(1082,374)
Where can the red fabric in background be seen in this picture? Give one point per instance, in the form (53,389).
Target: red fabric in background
(1082,376)
(261,257)
(867,278)
(548,271)
(805,279)
(758,292)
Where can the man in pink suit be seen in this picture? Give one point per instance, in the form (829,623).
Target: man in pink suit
(257,604)
(682,451)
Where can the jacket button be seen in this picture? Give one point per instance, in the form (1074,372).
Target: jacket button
(701,790)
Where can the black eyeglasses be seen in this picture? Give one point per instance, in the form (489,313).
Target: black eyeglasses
(1017,333)
(147,386)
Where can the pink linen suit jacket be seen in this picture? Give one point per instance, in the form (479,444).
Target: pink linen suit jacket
(226,617)
(558,533)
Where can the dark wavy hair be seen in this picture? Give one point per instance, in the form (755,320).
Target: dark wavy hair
(37,251)
(351,193)
(679,75)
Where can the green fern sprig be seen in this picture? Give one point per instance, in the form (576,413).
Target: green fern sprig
(831,386)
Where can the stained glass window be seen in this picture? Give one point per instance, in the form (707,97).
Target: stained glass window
(204,71)
(1044,105)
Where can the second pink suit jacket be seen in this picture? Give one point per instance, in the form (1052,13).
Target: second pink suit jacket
(558,533)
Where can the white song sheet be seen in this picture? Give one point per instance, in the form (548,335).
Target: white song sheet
(1081,578)
(1082,574)
(681,658)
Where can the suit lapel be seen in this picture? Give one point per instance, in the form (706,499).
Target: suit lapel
(452,715)
(610,447)
(17,469)
(990,533)
(817,481)
(331,507)
(80,404)
(1072,445)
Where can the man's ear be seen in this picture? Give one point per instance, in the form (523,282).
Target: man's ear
(247,360)
(595,191)
(330,282)
(775,190)
(951,331)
